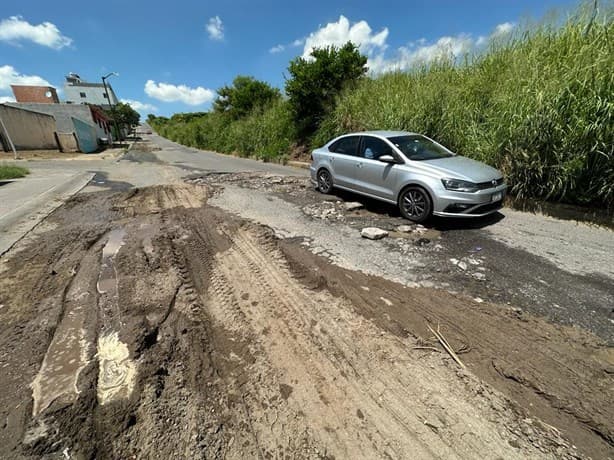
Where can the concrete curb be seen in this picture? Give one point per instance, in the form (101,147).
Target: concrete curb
(123,154)
(298,164)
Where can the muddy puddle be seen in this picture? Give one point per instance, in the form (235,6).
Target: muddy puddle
(117,372)
(107,283)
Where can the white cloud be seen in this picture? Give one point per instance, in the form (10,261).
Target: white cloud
(9,76)
(281,47)
(374,45)
(502,29)
(215,28)
(277,49)
(421,52)
(167,92)
(140,106)
(15,29)
(340,32)
(4,99)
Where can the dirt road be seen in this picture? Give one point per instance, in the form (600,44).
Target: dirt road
(148,324)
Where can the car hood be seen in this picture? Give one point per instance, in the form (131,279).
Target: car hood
(459,167)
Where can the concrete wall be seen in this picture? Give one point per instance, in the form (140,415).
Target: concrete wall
(67,142)
(94,94)
(64,114)
(86,136)
(28,130)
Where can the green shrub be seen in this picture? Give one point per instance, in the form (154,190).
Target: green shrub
(10,171)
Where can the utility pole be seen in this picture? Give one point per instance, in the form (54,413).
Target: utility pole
(111,106)
(8,138)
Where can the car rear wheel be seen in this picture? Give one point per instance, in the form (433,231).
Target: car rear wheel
(325,181)
(415,204)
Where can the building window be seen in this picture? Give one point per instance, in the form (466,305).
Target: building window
(105,95)
(82,94)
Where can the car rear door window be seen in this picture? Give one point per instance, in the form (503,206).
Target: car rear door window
(346,146)
(372,148)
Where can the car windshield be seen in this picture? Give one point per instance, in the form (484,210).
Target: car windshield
(419,148)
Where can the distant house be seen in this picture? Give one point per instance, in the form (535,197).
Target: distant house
(37,94)
(64,115)
(38,120)
(78,91)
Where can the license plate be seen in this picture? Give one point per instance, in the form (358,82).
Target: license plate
(496,196)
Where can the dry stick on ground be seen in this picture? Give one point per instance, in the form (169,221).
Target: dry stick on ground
(425,348)
(446,345)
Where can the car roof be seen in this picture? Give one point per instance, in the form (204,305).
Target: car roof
(381,133)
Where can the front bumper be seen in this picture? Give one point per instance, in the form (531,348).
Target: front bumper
(312,174)
(461,204)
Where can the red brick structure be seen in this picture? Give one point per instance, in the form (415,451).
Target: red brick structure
(39,94)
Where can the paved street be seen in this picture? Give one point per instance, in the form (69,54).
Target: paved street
(188,300)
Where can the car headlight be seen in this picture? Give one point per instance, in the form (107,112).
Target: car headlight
(458,185)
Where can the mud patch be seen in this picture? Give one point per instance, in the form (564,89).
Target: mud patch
(219,341)
(117,372)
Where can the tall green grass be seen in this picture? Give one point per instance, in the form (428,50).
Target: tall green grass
(266,134)
(539,106)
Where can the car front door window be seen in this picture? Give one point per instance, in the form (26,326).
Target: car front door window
(372,148)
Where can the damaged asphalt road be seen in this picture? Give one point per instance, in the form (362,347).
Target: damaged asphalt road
(241,315)
(570,284)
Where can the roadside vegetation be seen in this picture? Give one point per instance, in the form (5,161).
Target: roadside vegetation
(10,171)
(539,106)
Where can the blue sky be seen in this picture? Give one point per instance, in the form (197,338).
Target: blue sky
(172,56)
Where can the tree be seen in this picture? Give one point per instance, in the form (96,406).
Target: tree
(316,82)
(243,96)
(124,115)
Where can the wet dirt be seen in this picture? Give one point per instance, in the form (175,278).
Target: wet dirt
(200,335)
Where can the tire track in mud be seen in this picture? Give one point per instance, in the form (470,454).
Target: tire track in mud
(238,357)
(311,342)
(559,375)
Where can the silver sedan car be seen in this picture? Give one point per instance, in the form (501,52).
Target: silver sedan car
(417,174)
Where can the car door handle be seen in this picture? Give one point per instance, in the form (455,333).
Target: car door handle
(359,165)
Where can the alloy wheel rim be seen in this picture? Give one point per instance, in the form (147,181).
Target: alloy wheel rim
(414,203)
(324,181)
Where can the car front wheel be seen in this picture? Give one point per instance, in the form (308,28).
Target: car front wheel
(325,181)
(415,204)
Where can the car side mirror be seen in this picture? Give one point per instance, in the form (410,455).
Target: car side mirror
(387,159)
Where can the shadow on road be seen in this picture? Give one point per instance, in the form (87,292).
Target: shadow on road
(438,223)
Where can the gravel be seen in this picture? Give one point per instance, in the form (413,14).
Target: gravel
(327,237)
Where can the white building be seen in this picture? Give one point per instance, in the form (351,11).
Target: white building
(77,91)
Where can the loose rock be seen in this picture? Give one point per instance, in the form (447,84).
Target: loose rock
(353,205)
(373,233)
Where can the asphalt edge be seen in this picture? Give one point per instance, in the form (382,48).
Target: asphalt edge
(59,201)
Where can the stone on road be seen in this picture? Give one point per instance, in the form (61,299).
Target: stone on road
(373,233)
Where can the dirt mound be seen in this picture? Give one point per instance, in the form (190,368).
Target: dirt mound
(152,200)
(166,328)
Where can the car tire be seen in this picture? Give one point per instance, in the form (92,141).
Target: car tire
(325,181)
(415,204)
